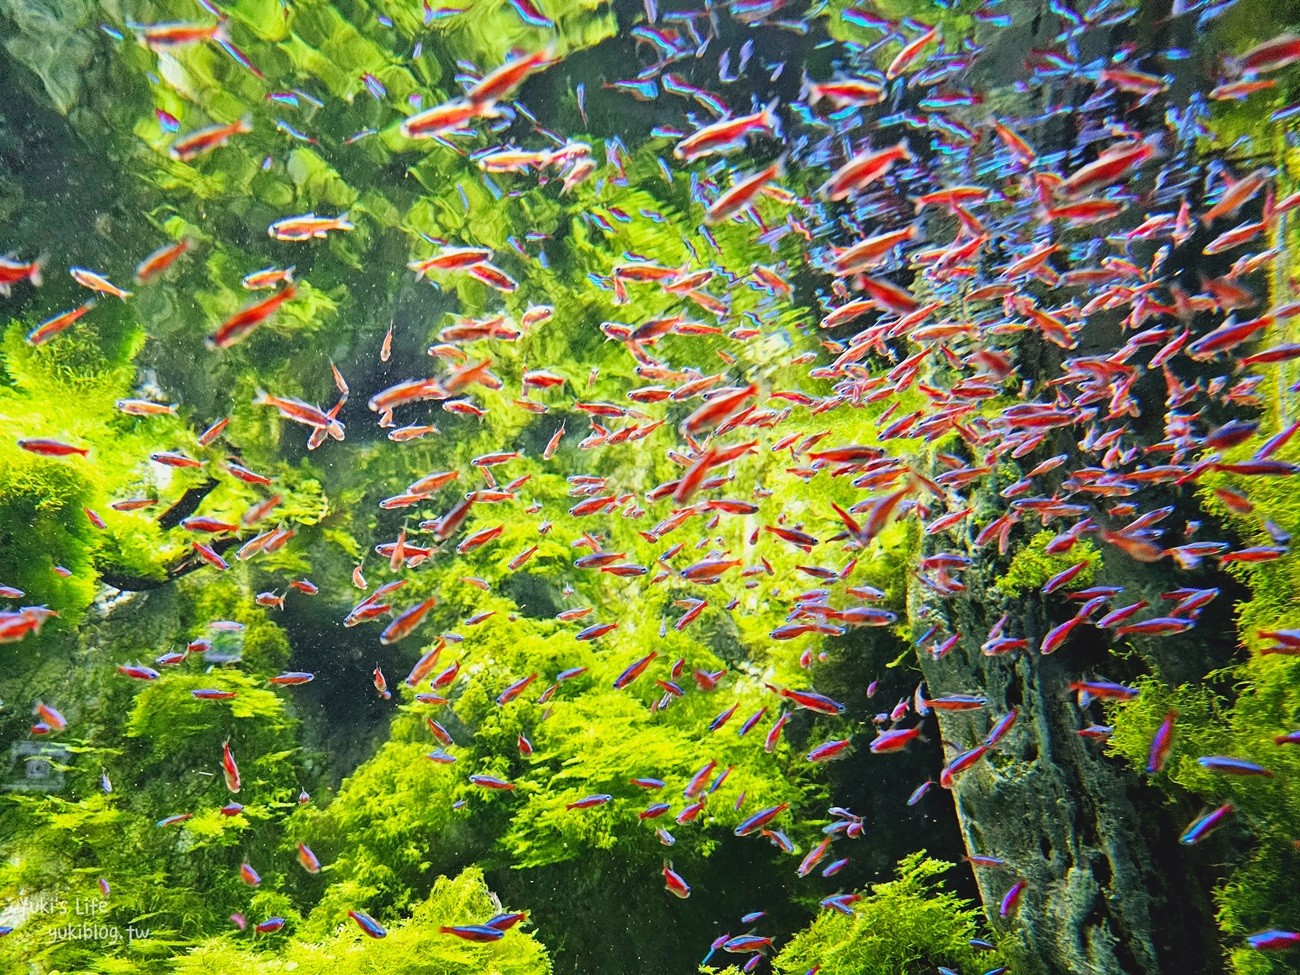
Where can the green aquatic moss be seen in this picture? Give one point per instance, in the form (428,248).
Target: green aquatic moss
(1031,567)
(395,813)
(1251,703)
(411,946)
(41,526)
(67,391)
(593,741)
(173,728)
(134,549)
(905,926)
(1258,892)
(390,835)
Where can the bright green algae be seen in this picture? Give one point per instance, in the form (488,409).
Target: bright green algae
(382,817)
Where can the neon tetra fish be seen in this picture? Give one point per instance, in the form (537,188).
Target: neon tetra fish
(268,277)
(97,282)
(241,324)
(157,263)
(14,272)
(442,119)
(502,82)
(726,135)
(307,226)
(200,142)
(161,37)
(863,170)
(51,327)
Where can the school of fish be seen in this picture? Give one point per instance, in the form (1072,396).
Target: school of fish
(947,245)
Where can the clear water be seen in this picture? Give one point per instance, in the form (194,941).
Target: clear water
(825,471)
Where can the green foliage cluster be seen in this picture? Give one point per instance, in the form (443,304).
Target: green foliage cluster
(66,391)
(401,820)
(399,825)
(1032,566)
(412,946)
(1263,704)
(1259,892)
(906,926)
(1262,698)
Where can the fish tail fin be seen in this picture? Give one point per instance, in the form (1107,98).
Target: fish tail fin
(35,275)
(769,117)
(1157,144)
(850,522)
(1045,187)
(808,91)
(918,697)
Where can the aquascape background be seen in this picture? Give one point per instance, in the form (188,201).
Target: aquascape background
(540,486)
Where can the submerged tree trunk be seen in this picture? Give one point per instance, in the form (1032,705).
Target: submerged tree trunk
(1105,891)
(1109,891)
(1053,812)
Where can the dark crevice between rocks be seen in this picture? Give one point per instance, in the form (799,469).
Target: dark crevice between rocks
(187,504)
